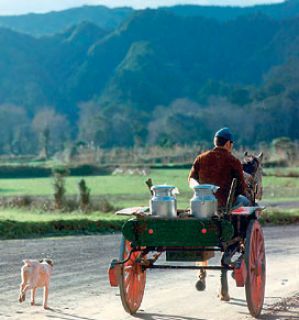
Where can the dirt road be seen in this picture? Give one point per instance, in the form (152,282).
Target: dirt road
(80,290)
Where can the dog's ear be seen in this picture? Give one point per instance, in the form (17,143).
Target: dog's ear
(50,262)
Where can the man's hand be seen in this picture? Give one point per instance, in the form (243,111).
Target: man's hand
(193,183)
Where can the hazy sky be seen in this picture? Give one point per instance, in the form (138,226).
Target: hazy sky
(8,7)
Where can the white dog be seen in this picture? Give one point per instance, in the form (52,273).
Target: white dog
(35,274)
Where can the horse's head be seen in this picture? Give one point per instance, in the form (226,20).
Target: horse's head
(252,165)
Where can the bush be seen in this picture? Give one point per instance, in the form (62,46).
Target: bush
(84,195)
(59,191)
(60,171)
(280,217)
(10,229)
(105,206)
(23,171)
(280,163)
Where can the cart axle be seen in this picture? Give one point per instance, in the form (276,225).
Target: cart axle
(190,267)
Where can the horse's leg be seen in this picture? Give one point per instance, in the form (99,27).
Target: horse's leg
(201,283)
(224,295)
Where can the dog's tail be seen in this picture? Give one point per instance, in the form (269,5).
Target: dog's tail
(27,262)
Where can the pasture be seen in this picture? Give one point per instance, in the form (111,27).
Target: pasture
(119,191)
(130,190)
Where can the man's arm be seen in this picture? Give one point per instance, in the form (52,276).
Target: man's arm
(193,178)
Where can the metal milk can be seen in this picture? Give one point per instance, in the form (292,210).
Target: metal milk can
(203,203)
(163,202)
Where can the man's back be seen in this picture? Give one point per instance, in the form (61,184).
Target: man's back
(219,167)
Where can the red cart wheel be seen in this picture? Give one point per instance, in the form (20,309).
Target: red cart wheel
(255,260)
(132,279)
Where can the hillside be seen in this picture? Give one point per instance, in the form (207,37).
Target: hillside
(280,11)
(157,72)
(34,71)
(163,57)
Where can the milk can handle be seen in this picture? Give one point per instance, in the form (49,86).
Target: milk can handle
(215,189)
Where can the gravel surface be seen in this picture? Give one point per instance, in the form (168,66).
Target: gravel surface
(286,309)
(80,289)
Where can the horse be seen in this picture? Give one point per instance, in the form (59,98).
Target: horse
(252,171)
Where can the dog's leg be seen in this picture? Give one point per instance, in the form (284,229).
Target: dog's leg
(33,291)
(46,292)
(24,277)
(27,287)
(22,295)
(23,290)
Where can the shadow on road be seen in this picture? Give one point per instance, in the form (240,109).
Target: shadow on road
(159,316)
(238,302)
(63,315)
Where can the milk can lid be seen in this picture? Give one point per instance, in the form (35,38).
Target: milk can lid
(207,186)
(161,187)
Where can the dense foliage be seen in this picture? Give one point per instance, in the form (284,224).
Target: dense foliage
(163,77)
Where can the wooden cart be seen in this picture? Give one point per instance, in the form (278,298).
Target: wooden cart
(236,233)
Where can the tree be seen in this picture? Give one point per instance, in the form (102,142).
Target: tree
(52,129)
(93,127)
(16,136)
(285,147)
(182,122)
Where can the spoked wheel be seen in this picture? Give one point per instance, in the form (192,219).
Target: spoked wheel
(255,260)
(132,279)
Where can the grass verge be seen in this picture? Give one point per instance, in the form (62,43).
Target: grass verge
(16,224)
(280,216)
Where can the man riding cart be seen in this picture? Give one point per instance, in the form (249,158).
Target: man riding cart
(219,167)
(195,233)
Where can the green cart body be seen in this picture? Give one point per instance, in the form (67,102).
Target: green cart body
(186,239)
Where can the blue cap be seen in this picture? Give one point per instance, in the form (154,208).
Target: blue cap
(224,133)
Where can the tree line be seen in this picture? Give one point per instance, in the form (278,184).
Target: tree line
(183,122)
(43,134)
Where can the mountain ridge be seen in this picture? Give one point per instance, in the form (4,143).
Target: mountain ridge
(39,24)
(157,60)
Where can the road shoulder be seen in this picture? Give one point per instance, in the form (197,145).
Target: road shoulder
(286,309)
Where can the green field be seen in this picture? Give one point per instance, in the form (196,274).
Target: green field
(34,216)
(125,191)
(287,171)
(121,192)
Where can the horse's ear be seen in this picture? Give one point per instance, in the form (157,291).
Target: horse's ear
(245,154)
(260,156)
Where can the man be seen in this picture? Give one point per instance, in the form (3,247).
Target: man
(219,167)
